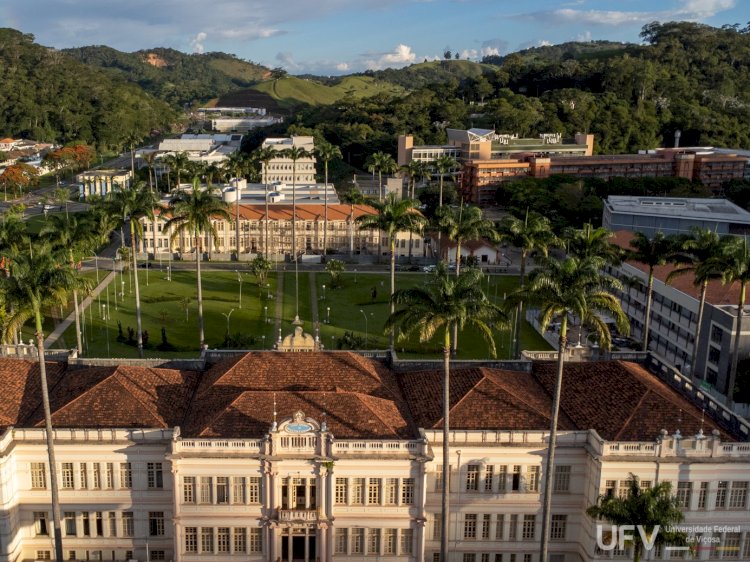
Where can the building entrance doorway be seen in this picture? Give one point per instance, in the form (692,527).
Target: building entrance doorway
(297,546)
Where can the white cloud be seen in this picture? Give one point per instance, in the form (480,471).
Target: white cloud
(583,37)
(693,10)
(402,55)
(342,66)
(250,33)
(197,42)
(493,47)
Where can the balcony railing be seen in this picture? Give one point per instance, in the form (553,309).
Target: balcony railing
(302,515)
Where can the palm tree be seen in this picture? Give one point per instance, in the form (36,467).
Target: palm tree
(177,163)
(295,153)
(413,170)
(76,238)
(654,508)
(460,225)
(264,155)
(699,255)
(445,304)
(562,288)
(38,279)
(444,164)
(651,252)
(191,214)
(531,234)
(590,242)
(391,217)
(326,152)
(736,266)
(381,162)
(354,197)
(129,206)
(236,165)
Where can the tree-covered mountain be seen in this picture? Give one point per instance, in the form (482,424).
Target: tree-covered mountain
(48,96)
(686,76)
(176,77)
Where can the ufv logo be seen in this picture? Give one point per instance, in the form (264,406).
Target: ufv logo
(620,535)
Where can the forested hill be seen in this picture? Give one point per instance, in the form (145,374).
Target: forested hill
(685,76)
(48,96)
(173,76)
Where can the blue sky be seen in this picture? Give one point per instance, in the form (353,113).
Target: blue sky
(343,36)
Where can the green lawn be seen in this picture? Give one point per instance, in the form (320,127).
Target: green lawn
(163,306)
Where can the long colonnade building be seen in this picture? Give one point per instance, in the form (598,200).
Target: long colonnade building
(272,456)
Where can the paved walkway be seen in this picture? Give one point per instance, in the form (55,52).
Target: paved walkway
(83,305)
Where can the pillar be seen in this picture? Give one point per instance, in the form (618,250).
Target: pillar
(289,544)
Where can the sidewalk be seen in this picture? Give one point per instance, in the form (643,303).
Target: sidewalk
(83,305)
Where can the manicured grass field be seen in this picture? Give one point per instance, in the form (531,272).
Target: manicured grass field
(359,307)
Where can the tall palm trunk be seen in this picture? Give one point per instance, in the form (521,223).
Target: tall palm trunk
(351,231)
(392,247)
(237,218)
(380,185)
(139,326)
(550,465)
(445,497)
(519,310)
(458,272)
(697,338)
(57,532)
(736,346)
(325,214)
(265,236)
(198,252)
(647,317)
(411,234)
(76,311)
(294,239)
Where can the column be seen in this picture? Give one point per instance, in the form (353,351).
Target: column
(321,494)
(271,542)
(420,496)
(322,543)
(307,496)
(289,544)
(307,545)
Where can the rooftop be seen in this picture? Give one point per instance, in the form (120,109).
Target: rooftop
(685,208)
(359,398)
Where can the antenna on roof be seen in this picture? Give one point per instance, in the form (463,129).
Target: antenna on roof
(273,427)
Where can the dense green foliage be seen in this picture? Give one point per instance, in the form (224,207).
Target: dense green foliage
(50,97)
(173,76)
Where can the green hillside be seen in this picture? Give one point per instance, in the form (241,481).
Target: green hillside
(291,90)
(174,76)
(49,96)
(433,72)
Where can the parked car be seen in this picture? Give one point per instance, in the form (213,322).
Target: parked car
(429,268)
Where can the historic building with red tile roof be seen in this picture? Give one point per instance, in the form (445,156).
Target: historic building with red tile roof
(334,456)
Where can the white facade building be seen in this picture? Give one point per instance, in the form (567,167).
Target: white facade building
(282,169)
(331,456)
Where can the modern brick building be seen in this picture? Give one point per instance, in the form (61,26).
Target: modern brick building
(273,456)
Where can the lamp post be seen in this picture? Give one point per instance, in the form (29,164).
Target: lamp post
(227,316)
(265,314)
(239,280)
(328,315)
(169,272)
(333,339)
(324,291)
(365,315)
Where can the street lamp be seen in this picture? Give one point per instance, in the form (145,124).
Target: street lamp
(227,316)
(265,314)
(324,291)
(328,315)
(365,315)
(239,279)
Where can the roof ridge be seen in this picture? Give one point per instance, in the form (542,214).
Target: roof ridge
(221,411)
(467,393)
(360,395)
(154,411)
(526,402)
(632,414)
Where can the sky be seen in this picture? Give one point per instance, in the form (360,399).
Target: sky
(331,37)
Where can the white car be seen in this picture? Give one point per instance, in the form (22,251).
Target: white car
(429,268)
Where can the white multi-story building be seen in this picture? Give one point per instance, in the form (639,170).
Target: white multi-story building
(283,169)
(274,456)
(344,234)
(674,315)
